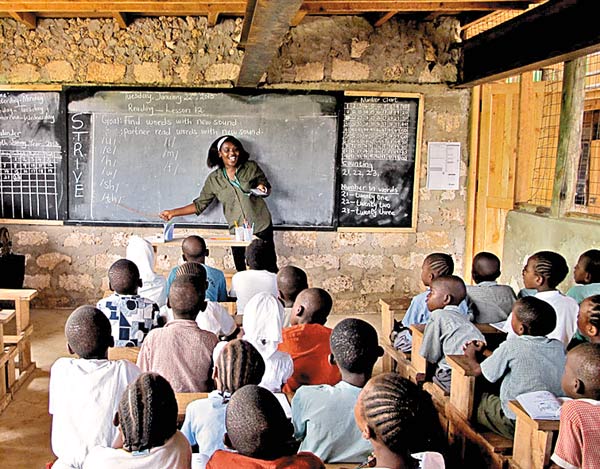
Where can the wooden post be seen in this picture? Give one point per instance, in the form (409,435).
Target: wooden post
(569,137)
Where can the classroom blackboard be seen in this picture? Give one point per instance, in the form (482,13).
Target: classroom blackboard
(32,155)
(378,183)
(133,153)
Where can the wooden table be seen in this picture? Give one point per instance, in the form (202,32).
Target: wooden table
(217,241)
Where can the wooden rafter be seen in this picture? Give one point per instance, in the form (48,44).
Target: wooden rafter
(120,18)
(27,18)
(385,18)
(298,17)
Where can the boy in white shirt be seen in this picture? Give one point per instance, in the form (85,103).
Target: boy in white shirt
(84,392)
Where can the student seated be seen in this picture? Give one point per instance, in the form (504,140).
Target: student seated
(529,361)
(318,410)
(588,322)
(291,281)
(307,340)
(84,392)
(448,329)
(586,274)
(131,316)
(141,253)
(262,328)
(262,435)
(194,249)
(544,271)
(239,363)
(578,442)
(147,420)
(489,302)
(258,278)
(400,422)
(181,351)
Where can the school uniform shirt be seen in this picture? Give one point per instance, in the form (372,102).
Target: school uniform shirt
(182,353)
(238,205)
(579,435)
(131,318)
(246,284)
(176,453)
(141,253)
(581,292)
(418,313)
(445,334)
(83,399)
(204,423)
(490,302)
(323,418)
(427,460)
(308,345)
(525,363)
(217,287)
(228,459)
(566,309)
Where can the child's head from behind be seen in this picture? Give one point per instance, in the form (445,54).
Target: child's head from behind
(435,265)
(88,333)
(587,269)
(544,270)
(394,413)
(260,255)
(186,296)
(291,280)
(124,277)
(239,364)
(485,268)
(532,316)
(354,346)
(588,319)
(312,306)
(446,290)
(147,413)
(582,372)
(194,249)
(257,426)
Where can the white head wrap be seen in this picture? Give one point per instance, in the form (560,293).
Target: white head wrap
(140,252)
(262,323)
(221,142)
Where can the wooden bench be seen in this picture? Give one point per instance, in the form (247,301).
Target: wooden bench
(534,440)
(183,400)
(17,363)
(392,359)
(124,353)
(6,315)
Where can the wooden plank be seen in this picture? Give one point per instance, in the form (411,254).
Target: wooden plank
(120,18)
(27,18)
(298,17)
(183,400)
(17,221)
(6,315)
(416,358)
(508,50)
(385,18)
(462,388)
(213,18)
(18,338)
(124,353)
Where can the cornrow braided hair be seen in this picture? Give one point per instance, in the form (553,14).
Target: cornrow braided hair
(400,414)
(594,317)
(592,265)
(147,413)
(239,363)
(550,265)
(440,263)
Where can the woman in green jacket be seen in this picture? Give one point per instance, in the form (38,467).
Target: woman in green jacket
(240,185)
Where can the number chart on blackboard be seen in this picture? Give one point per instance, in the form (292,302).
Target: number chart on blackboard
(378,181)
(32,134)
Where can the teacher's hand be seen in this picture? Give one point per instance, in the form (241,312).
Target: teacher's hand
(166,215)
(263,188)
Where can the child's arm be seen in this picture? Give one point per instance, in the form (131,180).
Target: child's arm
(471,350)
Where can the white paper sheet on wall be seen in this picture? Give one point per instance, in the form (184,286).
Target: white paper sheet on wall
(443,165)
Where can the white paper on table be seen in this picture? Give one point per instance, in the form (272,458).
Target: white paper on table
(443,165)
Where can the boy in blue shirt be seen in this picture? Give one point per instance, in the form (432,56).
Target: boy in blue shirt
(586,274)
(323,415)
(194,249)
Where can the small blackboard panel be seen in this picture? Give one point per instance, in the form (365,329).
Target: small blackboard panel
(32,155)
(134,153)
(378,180)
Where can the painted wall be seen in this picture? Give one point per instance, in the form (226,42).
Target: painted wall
(68,264)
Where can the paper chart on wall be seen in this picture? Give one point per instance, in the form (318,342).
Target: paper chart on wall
(443,165)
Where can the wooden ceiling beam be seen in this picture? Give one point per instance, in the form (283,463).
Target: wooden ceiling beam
(385,18)
(130,6)
(27,18)
(325,7)
(298,17)
(120,18)
(554,32)
(270,22)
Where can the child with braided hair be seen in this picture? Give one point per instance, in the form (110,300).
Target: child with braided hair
(147,420)
(543,272)
(400,422)
(238,364)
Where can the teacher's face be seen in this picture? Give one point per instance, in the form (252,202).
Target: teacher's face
(230,154)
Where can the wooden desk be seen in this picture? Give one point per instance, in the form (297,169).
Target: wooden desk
(124,353)
(533,440)
(222,241)
(462,389)
(183,399)
(417,360)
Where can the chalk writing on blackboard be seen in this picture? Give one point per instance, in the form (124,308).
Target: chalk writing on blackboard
(31,153)
(378,161)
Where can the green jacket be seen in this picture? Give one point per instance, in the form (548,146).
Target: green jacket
(237,205)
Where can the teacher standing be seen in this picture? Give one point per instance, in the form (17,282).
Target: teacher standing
(231,184)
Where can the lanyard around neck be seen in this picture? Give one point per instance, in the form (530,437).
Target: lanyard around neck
(235,182)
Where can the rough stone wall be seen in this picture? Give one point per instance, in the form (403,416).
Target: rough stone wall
(68,264)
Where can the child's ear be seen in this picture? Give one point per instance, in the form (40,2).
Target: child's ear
(227,441)
(110,286)
(447,299)
(116,419)
(300,310)
(215,373)
(579,387)
(111,341)
(592,330)
(70,349)
(331,359)
(367,432)
(539,279)
(140,283)
(379,351)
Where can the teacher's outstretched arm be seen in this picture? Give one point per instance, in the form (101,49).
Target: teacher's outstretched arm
(178,212)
